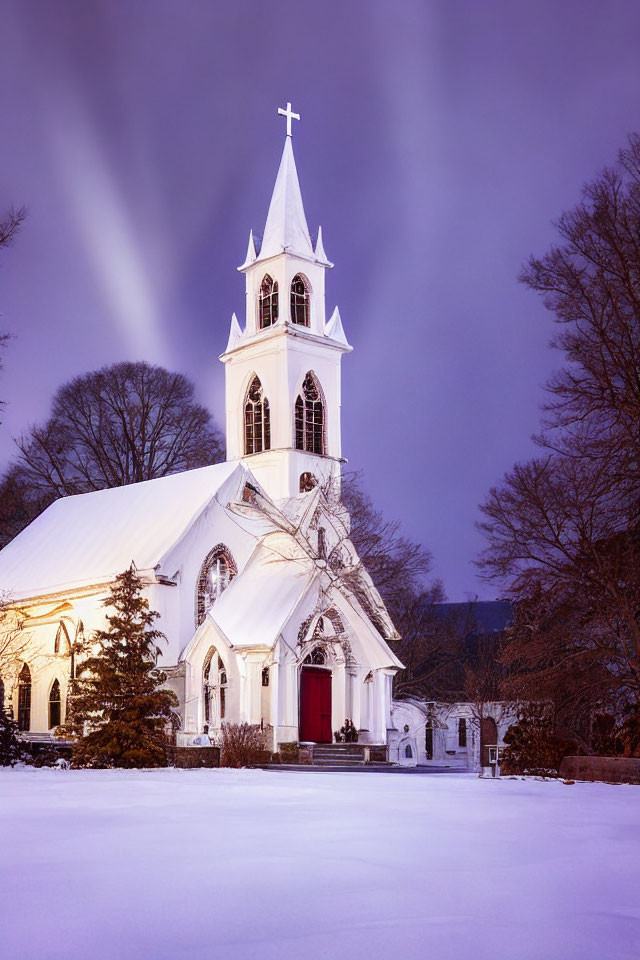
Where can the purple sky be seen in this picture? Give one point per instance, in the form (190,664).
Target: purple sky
(438,140)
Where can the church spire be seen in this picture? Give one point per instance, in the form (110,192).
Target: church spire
(286,229)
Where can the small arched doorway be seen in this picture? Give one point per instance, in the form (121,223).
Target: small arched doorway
(315,699)
(488,738)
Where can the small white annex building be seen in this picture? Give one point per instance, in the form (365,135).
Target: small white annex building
(461,735)
(268,614)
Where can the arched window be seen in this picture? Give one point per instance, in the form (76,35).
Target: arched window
(268,302)
(62,642)
(257,420)
(214,679)
(54,705)
(24,698)
(310,417)
(316,658)
(307,482)
(408,752)
(462,732)
(216,573)
(300,300)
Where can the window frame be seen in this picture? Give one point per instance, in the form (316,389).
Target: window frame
(256,418)
(300,301)
(267,302)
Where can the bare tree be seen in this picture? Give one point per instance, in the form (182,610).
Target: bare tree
(9,228)
(10,225)
(563,531)
(398,566)
(119,425)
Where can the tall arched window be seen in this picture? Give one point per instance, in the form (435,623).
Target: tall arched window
(310,417)
(268,302)
(300,300)
(24,698)
(257,419)
(54,705)
(214,679)
(216,573)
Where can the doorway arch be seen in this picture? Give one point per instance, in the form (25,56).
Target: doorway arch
(315,698)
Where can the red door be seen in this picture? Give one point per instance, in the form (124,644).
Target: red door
(315,705)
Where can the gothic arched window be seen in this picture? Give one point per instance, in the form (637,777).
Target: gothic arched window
(310,417)
(257,420)
(316,658)
(268,302)
(54,705)
(24,698)
(300,300)
(216,573)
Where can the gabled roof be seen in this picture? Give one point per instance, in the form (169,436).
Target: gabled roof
(286,228)
(92,537)
(258,603)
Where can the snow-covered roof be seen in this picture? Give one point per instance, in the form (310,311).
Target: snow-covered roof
(258,602)
(92,537)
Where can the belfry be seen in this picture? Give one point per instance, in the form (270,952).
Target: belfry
(282,369)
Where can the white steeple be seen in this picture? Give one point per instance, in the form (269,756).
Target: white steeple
(282,371)
(286,229)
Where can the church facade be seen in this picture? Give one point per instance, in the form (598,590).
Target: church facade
(269,616)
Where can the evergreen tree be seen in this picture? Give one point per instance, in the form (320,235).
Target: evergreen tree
(11,749)
(117,698)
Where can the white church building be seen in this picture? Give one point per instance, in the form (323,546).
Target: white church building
(268,614)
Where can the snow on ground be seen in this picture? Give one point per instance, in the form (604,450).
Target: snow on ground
(113,865)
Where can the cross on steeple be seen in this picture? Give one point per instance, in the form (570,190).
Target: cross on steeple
(290,115)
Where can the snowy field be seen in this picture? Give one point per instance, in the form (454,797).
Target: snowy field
(254,864)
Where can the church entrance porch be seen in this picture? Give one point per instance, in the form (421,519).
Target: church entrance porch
(315,705)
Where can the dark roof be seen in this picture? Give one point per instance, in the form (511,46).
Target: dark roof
(482,616)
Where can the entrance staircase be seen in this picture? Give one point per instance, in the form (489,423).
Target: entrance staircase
(345,755)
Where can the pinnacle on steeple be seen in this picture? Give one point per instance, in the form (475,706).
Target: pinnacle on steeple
(235,333)
(321,256)
(286,229)
(334,329)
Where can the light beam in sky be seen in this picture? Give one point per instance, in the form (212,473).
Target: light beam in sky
(105,222)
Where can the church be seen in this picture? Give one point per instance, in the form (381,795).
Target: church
(269,616)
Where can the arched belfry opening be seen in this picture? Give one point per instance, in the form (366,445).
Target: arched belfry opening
(300,300)
(268,302)
(310,417)
(257,419)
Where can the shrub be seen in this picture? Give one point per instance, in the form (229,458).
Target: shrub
(242,745)
(11,748)
(532,744)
